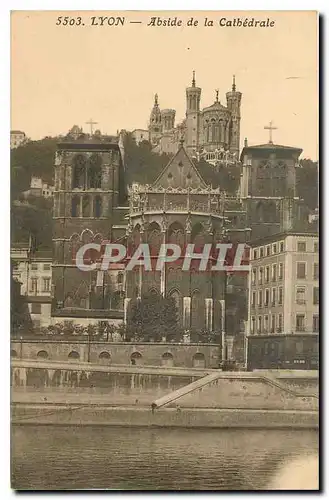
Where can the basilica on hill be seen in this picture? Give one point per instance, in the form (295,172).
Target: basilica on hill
(212,132)
(92,203)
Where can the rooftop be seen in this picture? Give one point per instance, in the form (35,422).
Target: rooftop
(279,236)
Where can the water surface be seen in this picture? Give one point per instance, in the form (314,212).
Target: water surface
(52,457)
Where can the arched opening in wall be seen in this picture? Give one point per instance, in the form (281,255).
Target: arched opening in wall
(79,172)
(270,212)
(207,131)
(74,355)
(154,238)
(198,238)
(98,238)
(98,206)
(197,311)
(86,206)
(214,128)
(176,234)
(134,239)
(218,131)
(75,206)
(95,171)
(73,246)
(153,291)
(199,360)
(177,297)
(87,236)
(105,358)
(260,212)
(167,359)
(13,353)
(42,355)
(136,358)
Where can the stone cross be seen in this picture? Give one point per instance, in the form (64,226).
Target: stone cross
(91,123)
(270,128)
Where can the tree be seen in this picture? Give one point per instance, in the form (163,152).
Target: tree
(142,165)
(154,317)
(32,218)
(33,158)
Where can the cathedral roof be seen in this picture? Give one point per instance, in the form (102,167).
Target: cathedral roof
(164,111)
(217,106)
(178,170)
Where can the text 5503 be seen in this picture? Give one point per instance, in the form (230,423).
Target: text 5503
(69,21)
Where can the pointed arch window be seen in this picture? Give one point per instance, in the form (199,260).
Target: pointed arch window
(75,209)
(79,172)
(216,132)
(98,206)
(197,320)
(86,206)
(95,172)
(214,128)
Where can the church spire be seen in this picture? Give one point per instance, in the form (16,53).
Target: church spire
(193,79)
(217,93)
(233,84)
(156,100)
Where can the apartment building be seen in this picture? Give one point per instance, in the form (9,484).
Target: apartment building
(34,274)
(284,284)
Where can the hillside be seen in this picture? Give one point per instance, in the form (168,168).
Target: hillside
(34,215)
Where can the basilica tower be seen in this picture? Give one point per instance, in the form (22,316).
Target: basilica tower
(193,96)
(233,99)
(155,125)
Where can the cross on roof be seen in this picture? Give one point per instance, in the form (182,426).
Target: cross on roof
(91,123)
(270,128)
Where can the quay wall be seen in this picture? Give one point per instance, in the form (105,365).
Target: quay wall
(57,382)
(143,417)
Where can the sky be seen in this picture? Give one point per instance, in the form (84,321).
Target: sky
(65,75)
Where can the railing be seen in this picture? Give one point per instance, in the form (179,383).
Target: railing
(193,206)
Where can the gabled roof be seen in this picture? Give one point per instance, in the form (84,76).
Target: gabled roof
(181,157)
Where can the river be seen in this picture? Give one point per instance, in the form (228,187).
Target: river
(66,458)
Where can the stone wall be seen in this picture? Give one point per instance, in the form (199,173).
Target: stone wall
(147,354)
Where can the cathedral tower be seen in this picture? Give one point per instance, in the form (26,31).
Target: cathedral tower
(168,119)
(233,99)
(88,180)
(268,187)
(193,96)
(155,125)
